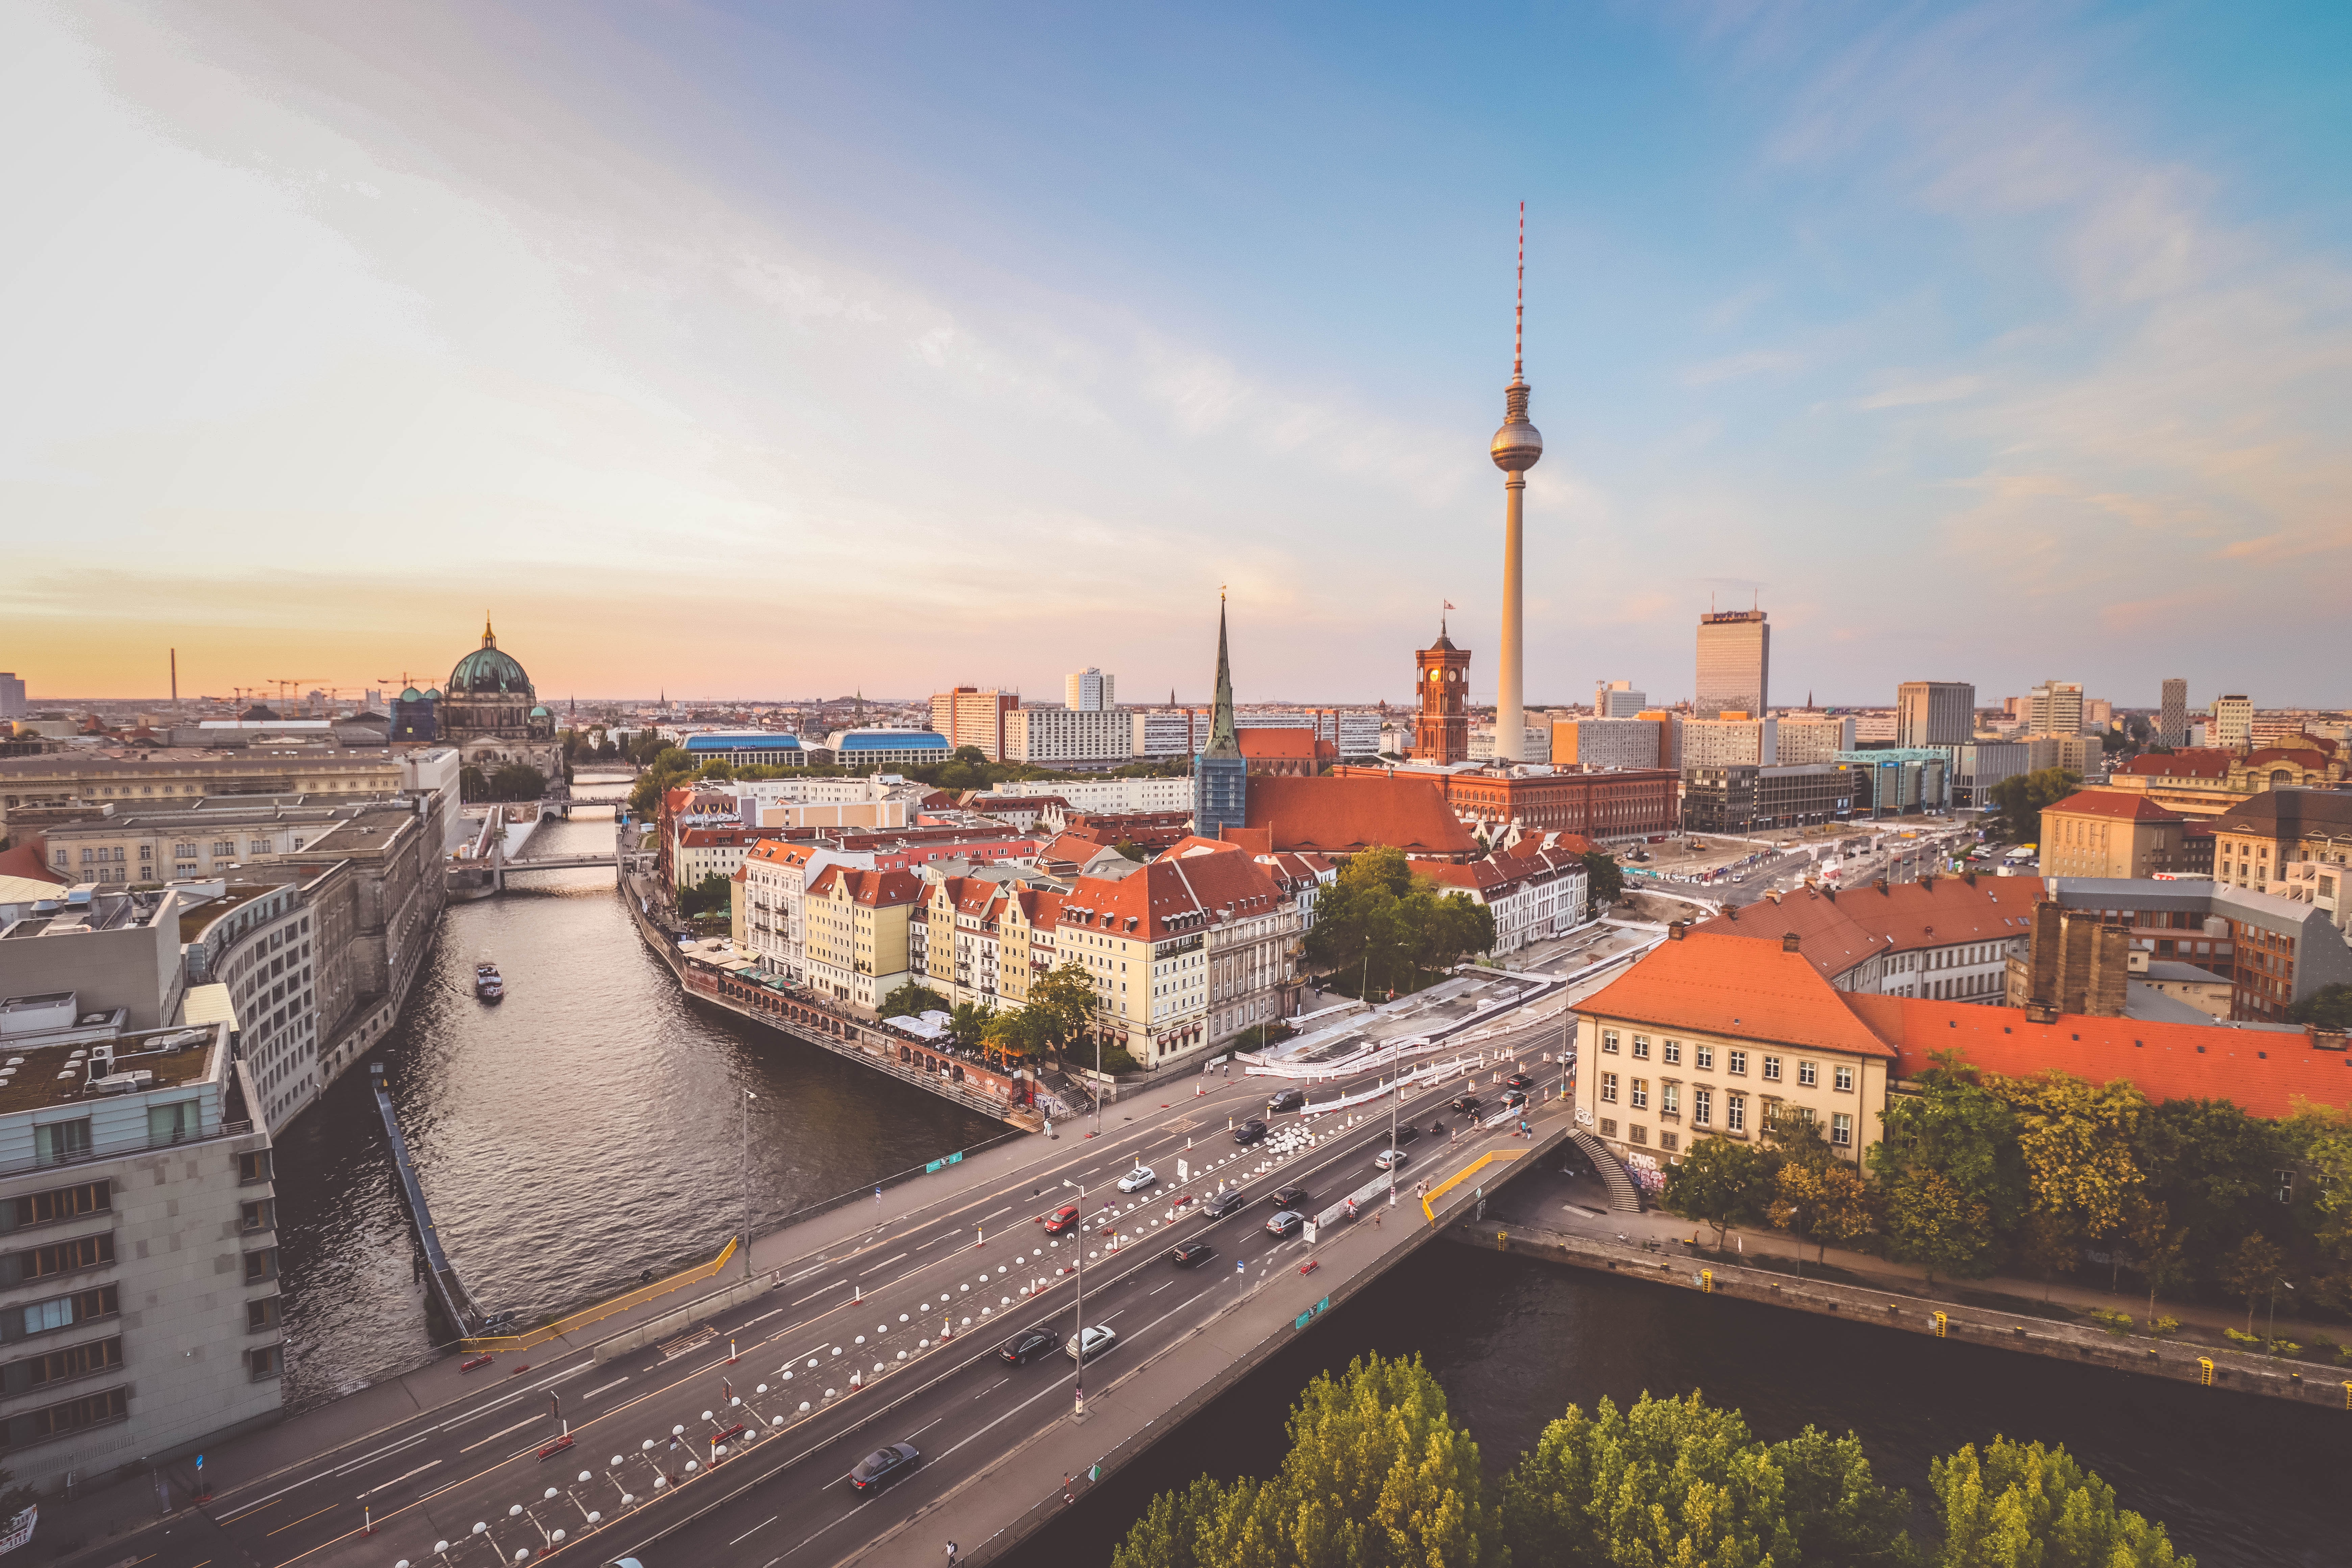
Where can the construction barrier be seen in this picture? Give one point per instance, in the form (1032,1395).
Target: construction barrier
(491,1344)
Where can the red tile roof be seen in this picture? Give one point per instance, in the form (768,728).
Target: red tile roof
(2262,1071)
(25,860)
(2125,805)
(1748,990)
(1838,931)
(2204,763)
(1347,815)
(1279,744)
(874,888)
(1168,897)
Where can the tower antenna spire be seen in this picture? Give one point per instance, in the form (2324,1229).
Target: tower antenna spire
(1519,310)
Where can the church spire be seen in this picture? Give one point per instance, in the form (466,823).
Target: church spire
(490,637)
(1222,741)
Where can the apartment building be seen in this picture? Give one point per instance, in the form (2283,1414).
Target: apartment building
(1735,663)
(2274,951)
(178,777)
(2231,727)
(1732,739)
(1934,713)
(973,716)
(857,948)
(2294,843)
(703,852)
(1533,892)
(1604,743)
(2172,715)
(2054,708)
(776,875)
(984,933)
(1945,938)
(1070,737)
(1090,689)
(1813,737)
(1617,699)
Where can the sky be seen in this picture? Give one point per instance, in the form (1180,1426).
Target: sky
(771,352)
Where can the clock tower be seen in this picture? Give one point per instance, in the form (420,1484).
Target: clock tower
(1441,727)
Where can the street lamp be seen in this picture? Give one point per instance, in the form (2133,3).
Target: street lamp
(1080,1412)
(743,1181)
(2271,1333)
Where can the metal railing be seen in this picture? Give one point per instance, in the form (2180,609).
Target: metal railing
(121,1147)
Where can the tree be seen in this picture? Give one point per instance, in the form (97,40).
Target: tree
(911,1000)
(2076,1139)
(2330,1007)
(1821,1202)
(2160,1247)
(1022,1033)
(1934,1221)
(2322,1137)
(1065,998)
(2049,1246)
(1380,923)
(968,1022)
(1378,1476)
(2253,1269)
(1837,1512)
(1604,880)
(1132,850)
(1948,1165)
(2209,1163)
(2024,1506)
(2022,796)
(1721,1183)
(712,893)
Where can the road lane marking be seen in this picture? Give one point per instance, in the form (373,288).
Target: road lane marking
(502,1432)
(835,1286)
(884,1264)
(760,1319)
(395,1480)
(1157,1289)
(283,1528)
(605,1388)
(379,1454)
(804,1273)
(991,1388)
(998,1214)
(754,1530)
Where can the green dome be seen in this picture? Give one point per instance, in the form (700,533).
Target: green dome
(487,672)
(411,695)
(540,712)
(434,695)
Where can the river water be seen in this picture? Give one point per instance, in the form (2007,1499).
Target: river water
(592,1126)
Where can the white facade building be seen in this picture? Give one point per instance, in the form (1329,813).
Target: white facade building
(1070,737)
(1090,691)
(1813,737)
(1094,797)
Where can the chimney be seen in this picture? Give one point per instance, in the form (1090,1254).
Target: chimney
(1881,885)
(1674,929)
(1731,912)
(2041,1012)
(1789,941)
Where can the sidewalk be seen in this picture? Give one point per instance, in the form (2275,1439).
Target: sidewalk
(1552,1202)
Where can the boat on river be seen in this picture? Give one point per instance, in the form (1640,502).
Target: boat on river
(488,983)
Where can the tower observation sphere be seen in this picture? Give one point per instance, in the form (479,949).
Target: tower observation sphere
(1518,444)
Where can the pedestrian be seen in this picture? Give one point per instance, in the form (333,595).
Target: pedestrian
(951,1554)
(1066,1499)
(878,1196)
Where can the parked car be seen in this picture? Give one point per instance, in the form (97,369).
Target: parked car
(1289,1197)
(1224,1204)
(883,1465)
(1390,1159)
(1025,1347)
(1190,1253)
(1061,1219)
(1289,1100)
(1099,1338)
(1135,1181)
(1249,1131)
(1287,1222)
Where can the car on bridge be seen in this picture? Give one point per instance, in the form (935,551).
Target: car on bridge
(1135,1181)
(1190,1253)
(1289,1100)
(1289,1197)
(1287,1222)
(1224,1204)
(1515,1099)
(1099,1338)
(1518,1080)
(1025,1347)
(1390,1159)
(883,1466)
(1249,1131)
(1061,1219)
(1466,1104)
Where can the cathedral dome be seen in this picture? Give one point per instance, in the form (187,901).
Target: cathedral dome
(487,672)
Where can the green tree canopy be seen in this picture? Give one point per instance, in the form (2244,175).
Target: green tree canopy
(1605,878)
(2024,1506)
(712,894)
(912,1001)
(1380,922)
(1951,1176)
(2021,797)
(1065,998)
(2330,1007)
(1721,1183)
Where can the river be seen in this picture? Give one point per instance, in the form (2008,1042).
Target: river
(592,1126)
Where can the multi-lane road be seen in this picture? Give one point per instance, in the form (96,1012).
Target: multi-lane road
(732,1442)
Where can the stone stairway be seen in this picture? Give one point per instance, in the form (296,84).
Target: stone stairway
(1624,1194)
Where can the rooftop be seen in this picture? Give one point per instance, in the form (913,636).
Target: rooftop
(1838,929)
(1748,990)
(47,1076)
(2121,806)
(1347,815)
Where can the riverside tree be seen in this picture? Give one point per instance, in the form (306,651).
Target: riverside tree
(2020,1505)
(1953,1181)
(1720,1183)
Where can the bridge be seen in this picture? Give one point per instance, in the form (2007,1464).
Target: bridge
(558,862)
(716,1431)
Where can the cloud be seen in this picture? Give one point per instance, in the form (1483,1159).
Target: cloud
(1950,389)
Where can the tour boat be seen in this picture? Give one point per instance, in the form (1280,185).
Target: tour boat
(487,984)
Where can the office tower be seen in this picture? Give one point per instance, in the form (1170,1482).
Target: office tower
(1221,774)
(1735,662)
(2234,723)
(972,716)
(1617,699)
(1516,448)
(1935,713)
(11,696)
(2172,719)
(2054,708)
(1089,691)
(1441,729)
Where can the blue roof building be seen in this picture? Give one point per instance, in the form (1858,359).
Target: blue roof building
(888,748)
(749,748)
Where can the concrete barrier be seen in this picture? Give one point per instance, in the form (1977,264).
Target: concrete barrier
(685,1317)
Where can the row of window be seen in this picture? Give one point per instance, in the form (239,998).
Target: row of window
(1702,1106)
(62,1365)
(1735,1062)
(32,1209)
(63,1142)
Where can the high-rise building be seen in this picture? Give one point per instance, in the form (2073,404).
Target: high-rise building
(1089,691)
(1221,774)
(1814,737)
(1617,699)
(12,695)
(1441,729)
(1735,662)
(2232,728)
(1935,713)
(973,716)
(2172,719)
(2054,708)
(1516,448)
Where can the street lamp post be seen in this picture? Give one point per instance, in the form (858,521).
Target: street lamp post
(2271,1333)
(1079,1414)
(743,1181)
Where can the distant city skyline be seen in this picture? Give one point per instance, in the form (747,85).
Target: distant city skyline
(786,351)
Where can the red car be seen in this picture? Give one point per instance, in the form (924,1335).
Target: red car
(1061,1219)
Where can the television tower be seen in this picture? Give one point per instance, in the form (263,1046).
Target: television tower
(1517,445)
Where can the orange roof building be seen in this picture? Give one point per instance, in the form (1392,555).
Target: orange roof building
(1946,936)
(1349,815)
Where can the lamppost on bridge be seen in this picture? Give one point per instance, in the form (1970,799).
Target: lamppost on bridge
(1079,1414)
(743,1181)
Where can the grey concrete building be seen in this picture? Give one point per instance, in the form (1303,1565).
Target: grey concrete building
(1935,713)
(2172,717)
(2274,951)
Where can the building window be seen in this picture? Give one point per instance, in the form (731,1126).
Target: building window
(1842,1080)
(90,1410)
(1641,1047)
(1641,1100)
(58,1258)
(1841,1130)
(1671,1052)
(1703,1058)
(65,1311)
(172,1124)
(1669,1141)
(1608,1128)
(1637,1133)
(265,1361)
(1609,1042)
(1670,1099)
(1773,1068)
(63,1365)
(1702,1107)
(260,1215)
(57,1203)
(1735,1112)
(60,1143)
(261,1315)
(1608,1088)
(261,1265)
(1736,1062)
(253,1166)
(1808,1075)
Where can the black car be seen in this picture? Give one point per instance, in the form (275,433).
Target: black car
(1407,1133)
(1224,1204)
(1513,1100)
(1288,1198)
(1518,1080)
(1468,1104)
(1249,1131)
(1190,1253)
(1289,1100)
(1025,1347)
(883,1465)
